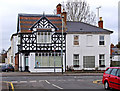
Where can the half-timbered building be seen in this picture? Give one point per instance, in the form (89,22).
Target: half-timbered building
(40,43)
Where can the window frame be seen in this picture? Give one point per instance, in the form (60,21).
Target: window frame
(100,40)
(49,62)
(76,40)
(42,37)
(77,61)
(101,60)
(89,64)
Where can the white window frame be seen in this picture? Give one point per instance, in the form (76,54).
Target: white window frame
(76,40)
(77,65)
(43,37)
(101,40)
(102,60)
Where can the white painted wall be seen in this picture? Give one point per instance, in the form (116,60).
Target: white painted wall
(14,48)
(84,50)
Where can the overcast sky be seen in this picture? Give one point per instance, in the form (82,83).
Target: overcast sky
(9,10)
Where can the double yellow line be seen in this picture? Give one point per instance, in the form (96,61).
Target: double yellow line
(11,84)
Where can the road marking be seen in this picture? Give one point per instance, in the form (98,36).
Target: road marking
(14,81)
(61,80)
(23,81)
(41,80)
(33,81)
(47,82)
(97,82)
(57,86)
(12,87)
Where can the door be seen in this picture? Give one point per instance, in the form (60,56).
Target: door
(16,62)
(26,63)
(113,78)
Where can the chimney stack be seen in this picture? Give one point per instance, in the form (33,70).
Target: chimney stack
(58,8)
(100,23)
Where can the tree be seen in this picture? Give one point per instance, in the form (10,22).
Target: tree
(3,56)
(3,51)
(79,10)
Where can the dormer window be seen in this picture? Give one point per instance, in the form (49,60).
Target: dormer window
(43,37)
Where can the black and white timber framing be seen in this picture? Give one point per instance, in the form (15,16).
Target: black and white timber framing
(29,43)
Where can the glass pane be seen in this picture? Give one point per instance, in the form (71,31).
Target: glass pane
(101,43)
(38,61)
(101,37)
(108,71)
(51,61)
(45,37)
(89,61)
(76,37)
(113,72)
(76,43)
(76,57)
(26,61)
(44,61)
(102,56)
(42,37)
(102,62)
(58,61)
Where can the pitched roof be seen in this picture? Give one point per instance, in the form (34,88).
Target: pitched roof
(80,27)
(26,21)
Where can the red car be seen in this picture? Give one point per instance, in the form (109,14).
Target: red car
(111,78)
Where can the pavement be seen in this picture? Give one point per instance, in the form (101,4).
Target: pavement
(6,74)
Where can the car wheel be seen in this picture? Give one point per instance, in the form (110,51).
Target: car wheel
(6,70)
(106,85)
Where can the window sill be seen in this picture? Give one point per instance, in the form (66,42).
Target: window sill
(47,67)
(101,46)
(44,43)
(76,45)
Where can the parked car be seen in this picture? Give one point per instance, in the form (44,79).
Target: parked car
(111,78)
(1,64)
(7,67)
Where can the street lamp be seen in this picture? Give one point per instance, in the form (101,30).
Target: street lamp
(62,46)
